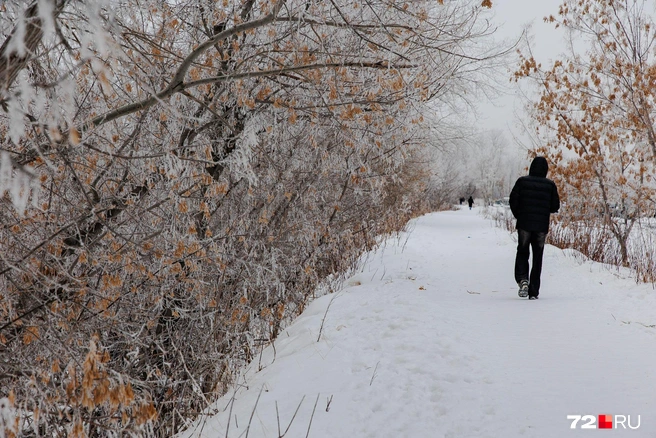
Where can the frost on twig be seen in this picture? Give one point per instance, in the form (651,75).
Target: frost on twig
(15,181)
(8,420)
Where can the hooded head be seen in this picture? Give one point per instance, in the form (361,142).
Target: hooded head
(539,167)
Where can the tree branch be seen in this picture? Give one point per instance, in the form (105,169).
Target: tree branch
(176,83)
(276,72)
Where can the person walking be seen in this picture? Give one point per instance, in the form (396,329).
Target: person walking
(532,200)
(470,201)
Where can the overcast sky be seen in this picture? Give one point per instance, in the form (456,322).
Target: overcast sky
(511,17)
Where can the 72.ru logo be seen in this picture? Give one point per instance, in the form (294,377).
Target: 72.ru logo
(605,421)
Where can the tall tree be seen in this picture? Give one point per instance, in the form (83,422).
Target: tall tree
(595,112)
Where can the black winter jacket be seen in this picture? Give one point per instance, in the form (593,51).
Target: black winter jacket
(534,198)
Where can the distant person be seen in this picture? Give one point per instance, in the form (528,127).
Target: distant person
(462,200)
(532,200)
(470,201)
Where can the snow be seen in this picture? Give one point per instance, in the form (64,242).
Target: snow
(430,339)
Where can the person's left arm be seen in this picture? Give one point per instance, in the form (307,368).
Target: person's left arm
(514,199)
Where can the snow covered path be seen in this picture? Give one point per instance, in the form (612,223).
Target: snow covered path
(431,340)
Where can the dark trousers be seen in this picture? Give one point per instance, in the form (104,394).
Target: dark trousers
(536,241)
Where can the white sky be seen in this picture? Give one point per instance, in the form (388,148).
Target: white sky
(511,17)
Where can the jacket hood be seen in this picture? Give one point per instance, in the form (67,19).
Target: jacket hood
(539,167)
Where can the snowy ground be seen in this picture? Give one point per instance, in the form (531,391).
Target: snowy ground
(431,340)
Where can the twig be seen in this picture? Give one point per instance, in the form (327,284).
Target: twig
(641,323)
(312,416)
(323,320)
(330,400)
(259,360)
(373,275)
(373,376)
(232,403)
(253,412)
(293,417)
